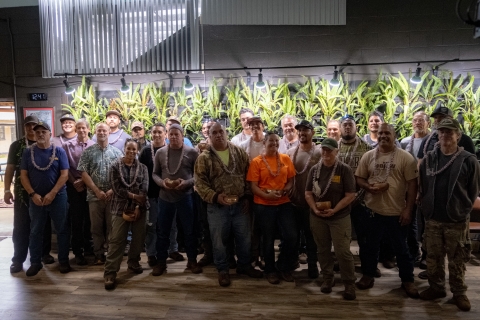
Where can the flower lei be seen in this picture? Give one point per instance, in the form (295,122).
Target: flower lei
(310,154)
(279,165)
(223,164)
(389,166)
(432,173)
(137,170)
(317,190)
(355,146)
(179,162)
(32,157)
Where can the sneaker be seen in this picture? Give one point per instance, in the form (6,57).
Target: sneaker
(48,259)
(80,260)
(302,258)
(272,278)
(16,267)
(423,275)
(224,279)
(135,267)
(251,272)
(176,256)
(432,294)
(109,282)
(205,261)
(99,259)
(378,273)
(33,270)
(232,263)
(193,266)
(462,302)
(349,293)
(365,282)
(313,271)
(152,261)
(159,269)
(286,276)
(388,264)
(64,267)
(410,290)
(327,285)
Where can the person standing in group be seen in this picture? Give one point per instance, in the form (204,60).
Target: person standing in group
(389,176)
(271,177)
(95,163)
(19,197)
(329,192)
(78,211)
(128,209)
(69,133)
(245,114)
(290,134)
(220,173)
(333,129)
(173,120)
(449,185)
(117,136)
(138,134)
(173,173)
(304,156)
(44,171)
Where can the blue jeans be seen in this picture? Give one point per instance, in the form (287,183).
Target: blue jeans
(378,227)
(269,217)
(38,215)
(166,215)
(223,220)
(151,237)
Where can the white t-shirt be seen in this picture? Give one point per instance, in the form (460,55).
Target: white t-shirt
(252,148)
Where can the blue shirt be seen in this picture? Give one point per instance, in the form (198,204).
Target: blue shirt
(116,139)
(186,141)
(43,182)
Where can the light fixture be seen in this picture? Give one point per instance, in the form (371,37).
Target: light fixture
(68,89)
(188,85)
(416,79)
(335,82)
(124,87)
(260,84)
(435,71)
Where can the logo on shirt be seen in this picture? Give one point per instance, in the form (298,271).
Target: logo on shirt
(336,179)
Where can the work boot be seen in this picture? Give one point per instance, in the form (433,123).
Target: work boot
(349,293)
(64,267)
(272,278)
(109,282)
(410,290)
(152,261)
(193,266)
(135,267)
(177,256)
(327,285)
(365,282)
(224,279)
(159,269)
(34,269)
(462,302)
(16,267)
(432,294)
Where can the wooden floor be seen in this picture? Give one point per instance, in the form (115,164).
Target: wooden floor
(181,295)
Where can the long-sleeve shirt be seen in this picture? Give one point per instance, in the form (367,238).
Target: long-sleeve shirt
(120,201)
(211,178)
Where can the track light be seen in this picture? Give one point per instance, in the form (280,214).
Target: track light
(335,82)
(188,85)
(124,87)
(416,79)
(68,89)
(260,84)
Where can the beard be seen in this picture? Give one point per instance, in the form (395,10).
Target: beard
(348,136)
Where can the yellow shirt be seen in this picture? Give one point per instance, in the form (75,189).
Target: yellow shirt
(224,156)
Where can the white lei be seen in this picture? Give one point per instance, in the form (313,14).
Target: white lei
(317,190)
(310,154)
(119,136)
(430,171)
(122,164)
(389,165)
(52,158)
(179,161)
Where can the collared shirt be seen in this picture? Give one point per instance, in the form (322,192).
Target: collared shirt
(284,145)
(96,161)
(74,150)
(60,141)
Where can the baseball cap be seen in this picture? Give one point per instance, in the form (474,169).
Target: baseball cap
(176,126)
(137,124)
(30,119)
(304,123)
(347,117)
(42,124)
(329,143)
(67,116)
(441,109)
(449,123)
(255,119)
(115,112)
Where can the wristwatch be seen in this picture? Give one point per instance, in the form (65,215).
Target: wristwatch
(32,194)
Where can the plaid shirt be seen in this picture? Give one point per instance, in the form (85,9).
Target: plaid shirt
(120,201)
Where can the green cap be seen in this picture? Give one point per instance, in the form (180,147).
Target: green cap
(449,123)
(330,143)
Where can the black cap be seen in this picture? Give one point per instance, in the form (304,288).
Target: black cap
(330,143)
(255,119)
(42,124)
(30,119)
(304,123)
(67,116)
(448,123)
(440,109)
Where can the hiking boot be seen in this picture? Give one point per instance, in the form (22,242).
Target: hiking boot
(205,261)
(462,302)
(327,285)
(349,293)
(313,271)
(286,276)
(135,267)
(16,267)
(109,282)
(224,279)
(432,294)
(159,269)
(152,261)
(48,259)
(193,266)
(33,270)
(302,258)
(410,290)
(251,272)
(365,282)
(80,260)
(272,278)
(177,256)
(64,267)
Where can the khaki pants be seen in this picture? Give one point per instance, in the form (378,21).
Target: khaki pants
(325,232)
(450,239)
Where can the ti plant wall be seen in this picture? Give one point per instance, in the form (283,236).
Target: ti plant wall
(316,101)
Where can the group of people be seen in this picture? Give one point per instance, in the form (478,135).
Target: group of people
(245,194)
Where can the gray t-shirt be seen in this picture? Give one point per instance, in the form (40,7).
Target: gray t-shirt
(343,181)
(185,171)
(252,148)
(413,149)
(284,145)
